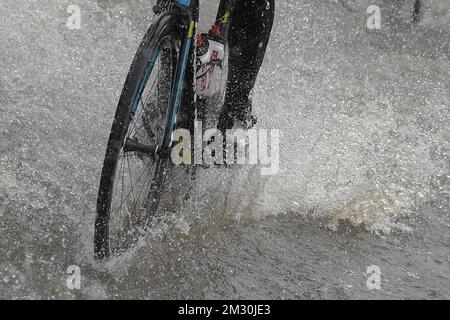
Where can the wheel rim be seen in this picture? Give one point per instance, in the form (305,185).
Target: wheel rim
(133,187)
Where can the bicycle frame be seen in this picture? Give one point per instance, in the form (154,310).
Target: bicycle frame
(190,9)
(181,17)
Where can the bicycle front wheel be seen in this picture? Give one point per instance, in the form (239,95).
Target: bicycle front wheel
(135,165)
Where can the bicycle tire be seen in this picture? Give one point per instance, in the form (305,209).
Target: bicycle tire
(168,26)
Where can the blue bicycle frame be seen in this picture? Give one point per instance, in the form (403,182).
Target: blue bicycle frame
(191,8)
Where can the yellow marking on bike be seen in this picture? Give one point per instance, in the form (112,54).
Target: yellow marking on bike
(226,17)
(191,29)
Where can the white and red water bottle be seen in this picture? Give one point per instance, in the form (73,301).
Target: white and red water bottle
(210,55)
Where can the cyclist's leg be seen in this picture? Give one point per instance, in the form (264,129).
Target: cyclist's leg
(249,34)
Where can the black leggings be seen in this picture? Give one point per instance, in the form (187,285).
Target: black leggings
(250,28)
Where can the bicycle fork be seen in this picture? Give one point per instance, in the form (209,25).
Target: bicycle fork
(192,6)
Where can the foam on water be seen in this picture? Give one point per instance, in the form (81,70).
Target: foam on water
(364,139)
(364,125)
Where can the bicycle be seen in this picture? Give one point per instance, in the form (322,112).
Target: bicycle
(159,94)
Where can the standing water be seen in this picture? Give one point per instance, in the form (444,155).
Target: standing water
(364,159)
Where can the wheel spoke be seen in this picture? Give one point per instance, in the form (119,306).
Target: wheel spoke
(129,193)
(142,109)
(138,180)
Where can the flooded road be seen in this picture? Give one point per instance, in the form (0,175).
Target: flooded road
(364,178)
